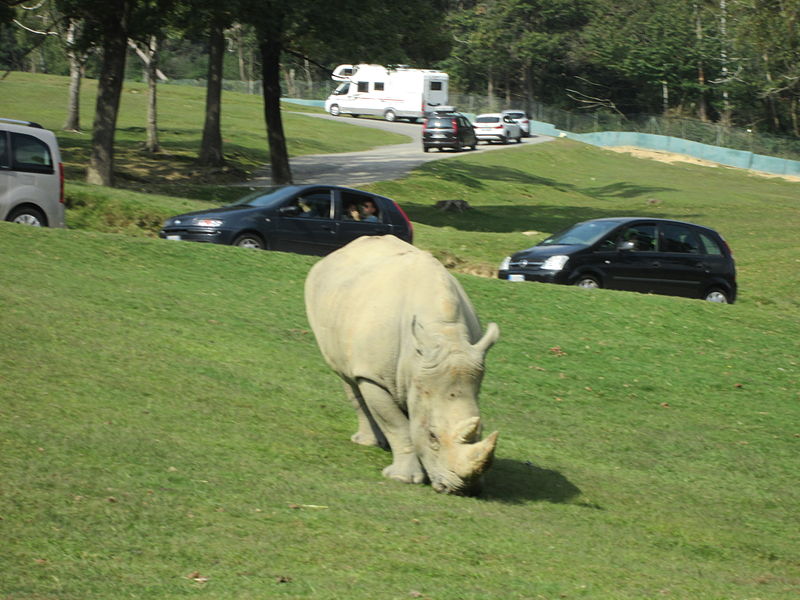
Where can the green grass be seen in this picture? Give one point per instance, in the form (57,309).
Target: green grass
(165,412)
(168,428)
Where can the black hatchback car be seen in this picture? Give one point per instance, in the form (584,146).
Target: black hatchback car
(644,255)
(448,129)
(307,219)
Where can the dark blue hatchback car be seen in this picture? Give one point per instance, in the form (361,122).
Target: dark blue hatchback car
(657,256)
(307,219)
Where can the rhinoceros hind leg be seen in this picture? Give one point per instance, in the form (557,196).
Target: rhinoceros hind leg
(368,434)
(381,408)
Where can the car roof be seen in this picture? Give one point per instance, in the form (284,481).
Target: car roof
(299,187)
(623,220)
(498,115)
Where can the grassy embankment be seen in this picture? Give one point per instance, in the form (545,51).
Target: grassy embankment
(168,429)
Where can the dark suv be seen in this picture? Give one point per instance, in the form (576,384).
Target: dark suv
(628,253)
(307,219)
(447,129)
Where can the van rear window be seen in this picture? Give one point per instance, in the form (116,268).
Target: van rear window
(30,154)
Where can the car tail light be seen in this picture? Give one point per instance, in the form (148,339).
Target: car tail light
(408,222)
(61,182)
(424,124)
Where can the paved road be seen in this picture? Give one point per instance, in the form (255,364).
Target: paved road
(379,164)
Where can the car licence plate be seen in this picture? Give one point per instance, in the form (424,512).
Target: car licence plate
(174,237)
(516,277)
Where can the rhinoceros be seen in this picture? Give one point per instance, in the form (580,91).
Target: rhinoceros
(403,335)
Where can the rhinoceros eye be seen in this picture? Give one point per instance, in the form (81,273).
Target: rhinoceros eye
(433,440)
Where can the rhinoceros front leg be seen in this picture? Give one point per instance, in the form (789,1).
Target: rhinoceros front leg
(368,434)
(393,423)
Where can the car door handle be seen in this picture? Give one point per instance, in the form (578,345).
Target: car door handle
(656,264)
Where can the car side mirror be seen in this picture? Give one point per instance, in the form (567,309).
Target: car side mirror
(289,211)
(626,245)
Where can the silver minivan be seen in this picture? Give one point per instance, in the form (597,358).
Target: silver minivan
(31,175)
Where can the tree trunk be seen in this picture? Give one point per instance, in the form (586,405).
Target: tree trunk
(109,90)
(152,81)
(76,62)
(702,103)
(211,147)
(271,76)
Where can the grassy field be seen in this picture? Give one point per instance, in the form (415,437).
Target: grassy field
(169,430)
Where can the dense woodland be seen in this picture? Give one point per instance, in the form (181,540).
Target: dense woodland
(735,62)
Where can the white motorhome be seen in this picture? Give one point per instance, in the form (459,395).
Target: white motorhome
(391,92)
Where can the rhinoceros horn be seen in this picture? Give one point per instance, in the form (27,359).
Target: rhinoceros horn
(478,456)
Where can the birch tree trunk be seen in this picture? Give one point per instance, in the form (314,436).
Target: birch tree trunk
(76,63)
(152,144)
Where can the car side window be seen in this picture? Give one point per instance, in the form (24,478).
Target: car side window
(30,154)
(315,205)
(710,245)
(642,236)
(3,150)
(359,207)
(678,238)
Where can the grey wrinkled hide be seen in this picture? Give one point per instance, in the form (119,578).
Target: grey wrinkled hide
(402,334)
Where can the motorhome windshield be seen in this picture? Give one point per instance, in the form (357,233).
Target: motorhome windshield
(341,89)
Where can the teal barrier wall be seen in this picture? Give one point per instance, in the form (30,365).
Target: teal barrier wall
(724,156)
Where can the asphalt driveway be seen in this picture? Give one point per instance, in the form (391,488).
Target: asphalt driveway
(379,164)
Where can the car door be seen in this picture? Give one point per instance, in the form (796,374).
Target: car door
(350,217)
(681,263)
(305,223)
(634,268)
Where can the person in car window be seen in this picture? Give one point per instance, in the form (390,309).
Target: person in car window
(369,211)
(351,212)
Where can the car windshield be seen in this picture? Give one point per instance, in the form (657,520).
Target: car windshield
(516,115)
(582,234)
(267,196)
(487,119)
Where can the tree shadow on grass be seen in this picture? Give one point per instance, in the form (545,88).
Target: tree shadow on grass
(523,210)
(516,482)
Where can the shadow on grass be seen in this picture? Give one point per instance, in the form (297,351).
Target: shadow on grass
(519,217)
(516,482)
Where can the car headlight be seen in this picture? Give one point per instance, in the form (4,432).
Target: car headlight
(202,222)
(555,262)
(505,264)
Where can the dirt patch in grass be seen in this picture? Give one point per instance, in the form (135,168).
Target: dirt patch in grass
(672,157)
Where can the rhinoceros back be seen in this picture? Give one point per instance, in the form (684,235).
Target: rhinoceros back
(362,299)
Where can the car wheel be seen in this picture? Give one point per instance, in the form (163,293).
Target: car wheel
(519,138)
(390,116)
(28,215)
(250,240)
(717,295)
(334,110)
(504,140)
(425,148)
(589,282)
(458,147)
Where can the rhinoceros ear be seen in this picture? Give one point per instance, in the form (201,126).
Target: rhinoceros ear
(489,338)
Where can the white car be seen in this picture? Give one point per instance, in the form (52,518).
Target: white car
(496,127)
(31,175)
(521,119)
